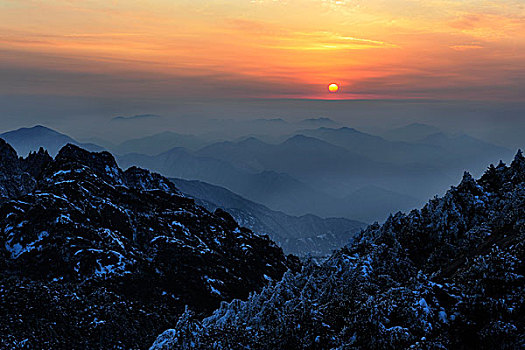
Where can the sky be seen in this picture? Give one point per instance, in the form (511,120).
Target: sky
(165,50)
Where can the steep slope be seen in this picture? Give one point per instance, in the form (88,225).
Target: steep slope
(25,140)
(95,257)
(449,276)
(300,235)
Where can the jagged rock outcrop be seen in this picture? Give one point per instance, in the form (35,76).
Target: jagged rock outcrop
(448,276)
(17,175)
(95,257)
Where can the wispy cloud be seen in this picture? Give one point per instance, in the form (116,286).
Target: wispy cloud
(122,118)
(465,47)
(325,40)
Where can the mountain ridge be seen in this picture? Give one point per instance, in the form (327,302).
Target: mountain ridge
(94,256)
(448,276)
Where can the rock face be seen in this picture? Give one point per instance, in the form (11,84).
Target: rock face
(448,276)
(95,257)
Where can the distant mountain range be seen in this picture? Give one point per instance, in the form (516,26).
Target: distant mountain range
(464,151)
(278,191)
(375,147)
(164,141)
(410,133)
(303,235)
(159,143)
(325,171)
(328,168)
(25,140)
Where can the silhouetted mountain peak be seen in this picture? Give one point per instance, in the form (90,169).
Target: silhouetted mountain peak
(346,129)
(37,130)
(41,128)
(302,139)
(26,140)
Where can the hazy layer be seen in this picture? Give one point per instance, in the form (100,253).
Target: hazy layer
(501,123)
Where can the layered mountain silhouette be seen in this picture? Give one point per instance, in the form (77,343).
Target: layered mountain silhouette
(448,276)
(25,140)
(325,171)
(410,133)
(464,149)
(326,167)
(300,235)
(278,191)
(95,257)
(159,143)
(375,147)
(427,147)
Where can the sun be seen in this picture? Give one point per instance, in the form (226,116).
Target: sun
(333,87)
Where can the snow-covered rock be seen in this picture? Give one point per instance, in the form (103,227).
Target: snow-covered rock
(96,257)
(448,276)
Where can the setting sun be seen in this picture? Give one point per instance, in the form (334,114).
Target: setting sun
(333,87)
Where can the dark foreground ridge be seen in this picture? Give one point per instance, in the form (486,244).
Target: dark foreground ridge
(448,276)
(95,257)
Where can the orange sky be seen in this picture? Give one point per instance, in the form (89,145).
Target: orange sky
(443,49)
